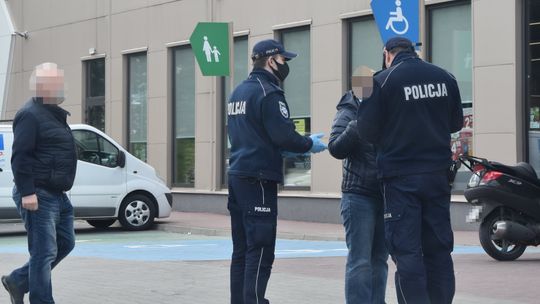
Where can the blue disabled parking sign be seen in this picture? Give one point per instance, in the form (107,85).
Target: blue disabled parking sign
(397,18)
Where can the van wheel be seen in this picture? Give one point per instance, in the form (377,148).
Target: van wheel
(101,224)
(137,212)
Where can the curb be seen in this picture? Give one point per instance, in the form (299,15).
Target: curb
(226,232)
(191,230)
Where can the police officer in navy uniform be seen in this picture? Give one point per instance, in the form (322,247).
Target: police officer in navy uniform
(413,109)
(260,132)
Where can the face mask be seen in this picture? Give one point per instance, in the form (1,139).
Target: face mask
(282,70)
(383,61)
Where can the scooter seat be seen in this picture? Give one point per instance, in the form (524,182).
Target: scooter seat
(521,170)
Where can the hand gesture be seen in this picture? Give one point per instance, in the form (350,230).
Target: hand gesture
(318,145)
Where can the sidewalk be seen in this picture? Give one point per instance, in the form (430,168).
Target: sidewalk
(211,224)
(219,225)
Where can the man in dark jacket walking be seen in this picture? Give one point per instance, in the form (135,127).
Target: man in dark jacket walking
(361,208)
(414,108)
(44,163)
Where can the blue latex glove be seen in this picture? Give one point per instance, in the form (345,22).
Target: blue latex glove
(318,145)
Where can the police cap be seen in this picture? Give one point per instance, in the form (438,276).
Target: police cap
(400,42)
(270,47)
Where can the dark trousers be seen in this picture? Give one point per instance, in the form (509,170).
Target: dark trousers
(419,237)
(253,208)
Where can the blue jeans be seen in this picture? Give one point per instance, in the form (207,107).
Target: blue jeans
(419,237)
(367,268)
(50,239)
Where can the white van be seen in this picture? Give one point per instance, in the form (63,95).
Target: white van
(110,184)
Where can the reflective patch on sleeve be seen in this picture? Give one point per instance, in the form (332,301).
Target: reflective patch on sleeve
(283,109)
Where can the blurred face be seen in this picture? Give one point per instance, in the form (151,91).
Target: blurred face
(47,81)
(362,86)
(362,82)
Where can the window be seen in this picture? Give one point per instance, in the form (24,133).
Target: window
(184,117)
(364,46)
(95,149)
(450,47)
(297,86)
(137,92)
(532,67)
(241,70)
(94,109)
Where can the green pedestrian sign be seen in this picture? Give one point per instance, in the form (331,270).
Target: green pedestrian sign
(211,44)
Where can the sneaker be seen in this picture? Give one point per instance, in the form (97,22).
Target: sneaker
(16,296)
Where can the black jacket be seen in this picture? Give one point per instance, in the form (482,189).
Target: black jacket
(359,166)
(260,127)
(413,109)
(44,153)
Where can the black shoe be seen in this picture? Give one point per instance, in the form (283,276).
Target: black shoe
(16,296)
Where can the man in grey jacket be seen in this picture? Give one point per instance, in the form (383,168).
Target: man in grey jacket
(361,208)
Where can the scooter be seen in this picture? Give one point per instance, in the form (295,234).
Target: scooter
(506,202)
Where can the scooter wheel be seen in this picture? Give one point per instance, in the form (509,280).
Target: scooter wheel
(501,250)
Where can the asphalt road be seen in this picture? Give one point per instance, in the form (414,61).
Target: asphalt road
(161,267)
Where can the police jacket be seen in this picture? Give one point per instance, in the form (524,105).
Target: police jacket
(259,128)
(414,108)
(359,167)
(43,153)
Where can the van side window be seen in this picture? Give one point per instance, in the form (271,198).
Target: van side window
(93,148)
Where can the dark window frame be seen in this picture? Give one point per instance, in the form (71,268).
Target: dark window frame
(462,177)
(527,71)
(90,101)
(224,133)
(127,58)
(173,118)
(429,22)
(279,36)
(348,45)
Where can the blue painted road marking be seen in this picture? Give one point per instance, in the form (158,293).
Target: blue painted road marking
(205,249)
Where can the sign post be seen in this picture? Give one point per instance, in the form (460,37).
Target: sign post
(397,18)
(211,43)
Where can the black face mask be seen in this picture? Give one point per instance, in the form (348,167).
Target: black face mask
(383,61)
(282,70)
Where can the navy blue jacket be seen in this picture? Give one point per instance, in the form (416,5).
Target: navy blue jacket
(259,128)
(359,167)
(44,152)
(414,108)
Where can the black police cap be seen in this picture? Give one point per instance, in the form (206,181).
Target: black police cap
(400,42)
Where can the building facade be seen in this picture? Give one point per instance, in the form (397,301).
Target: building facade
(130,71)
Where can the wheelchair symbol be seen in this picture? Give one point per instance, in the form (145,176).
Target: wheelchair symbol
(397,17)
